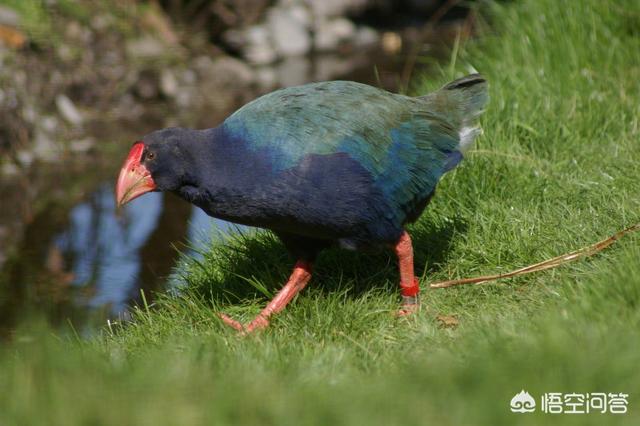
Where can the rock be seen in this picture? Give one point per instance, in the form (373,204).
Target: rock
(168,83)
(76,32)
(9,169)
(365,36)
(236,38)
(65,52)
(9,17)
(68,110)
(343,28)
(128,107)
(223,72)
(145,48)
(185,98)
(330,34)
(25,158)
(220,83)
(289,28)
(203,65)
(324,39)
(258,48)
(29,113)
(189,77)
(111,67)
(232,71)
(82,146)
(102,21)
(44,148)
(147,86)
(301,14)
(49,124)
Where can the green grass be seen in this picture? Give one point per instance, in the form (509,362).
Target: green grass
(555,170)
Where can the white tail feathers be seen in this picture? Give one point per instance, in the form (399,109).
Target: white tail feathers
(459,105)
(467,97)
(467,136)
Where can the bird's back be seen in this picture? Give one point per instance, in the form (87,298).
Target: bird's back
(404,143)
(317,118)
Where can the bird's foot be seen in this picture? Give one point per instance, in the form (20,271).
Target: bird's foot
(259,323)
(410,297)
(298,279)
(410,305)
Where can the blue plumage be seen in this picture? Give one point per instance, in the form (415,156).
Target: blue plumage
(332,161)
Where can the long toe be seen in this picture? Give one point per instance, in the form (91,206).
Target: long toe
(258,323)
(407,309)
(231,322)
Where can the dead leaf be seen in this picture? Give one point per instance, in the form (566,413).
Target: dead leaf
(447,321)
(12,37)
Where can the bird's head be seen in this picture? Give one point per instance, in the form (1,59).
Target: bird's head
(156,163)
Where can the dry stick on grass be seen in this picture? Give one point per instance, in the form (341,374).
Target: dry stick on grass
(547,264)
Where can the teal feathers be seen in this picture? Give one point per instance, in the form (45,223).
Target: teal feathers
(405,143)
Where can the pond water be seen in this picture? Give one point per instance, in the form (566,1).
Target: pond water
(78,262)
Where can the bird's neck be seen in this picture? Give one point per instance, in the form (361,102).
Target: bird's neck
(224,175)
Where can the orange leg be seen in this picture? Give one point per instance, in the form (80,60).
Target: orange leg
(297,281)
(409,286)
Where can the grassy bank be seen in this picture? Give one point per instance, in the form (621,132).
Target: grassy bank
(555,170)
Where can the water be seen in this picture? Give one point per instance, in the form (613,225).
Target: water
(78,262)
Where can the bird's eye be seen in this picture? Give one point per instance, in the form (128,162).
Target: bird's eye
(150,156)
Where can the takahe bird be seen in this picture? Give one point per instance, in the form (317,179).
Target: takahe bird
(326,163)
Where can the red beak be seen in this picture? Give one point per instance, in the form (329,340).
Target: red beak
(134,179)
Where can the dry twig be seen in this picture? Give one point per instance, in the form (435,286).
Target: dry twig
(547,264)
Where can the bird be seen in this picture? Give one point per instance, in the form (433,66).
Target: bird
(334,163)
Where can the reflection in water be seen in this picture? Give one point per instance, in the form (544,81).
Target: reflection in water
(117,255)
(105,251)
(86,263)
(201,225)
